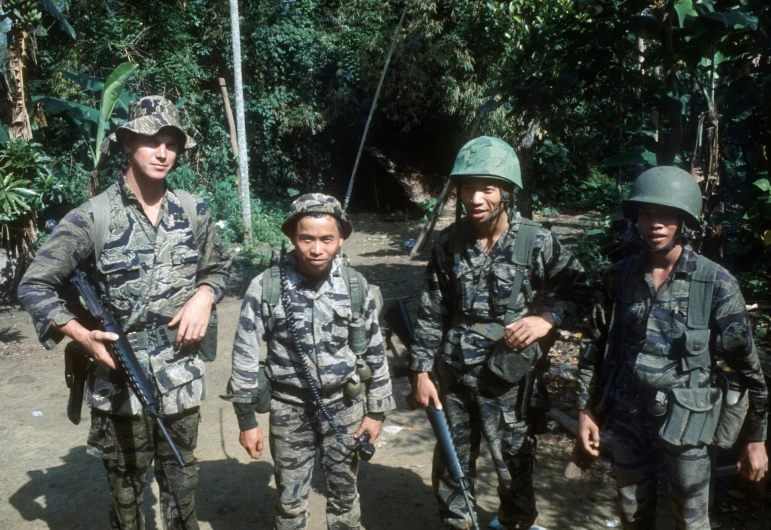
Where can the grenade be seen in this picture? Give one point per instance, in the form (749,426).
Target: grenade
(357,336)
(364,371)
(353,388)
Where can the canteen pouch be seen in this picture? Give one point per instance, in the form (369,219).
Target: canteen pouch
(207,349)
(692,416)
(735,407)
(511,365)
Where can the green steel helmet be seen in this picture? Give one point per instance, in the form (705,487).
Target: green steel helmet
(666,186)
(490,158)
(311,203)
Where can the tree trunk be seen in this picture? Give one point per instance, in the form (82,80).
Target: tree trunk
(243,162)
(20,126)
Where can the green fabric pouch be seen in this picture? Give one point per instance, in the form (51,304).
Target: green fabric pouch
(263,398)
(207,349)
(511,365)
(692,416)
(732,416)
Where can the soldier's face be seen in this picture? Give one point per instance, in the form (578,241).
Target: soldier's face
(480,197)
(152,157)
(658,225)
(316,241)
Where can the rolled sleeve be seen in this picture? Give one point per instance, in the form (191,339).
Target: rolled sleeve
(214,261)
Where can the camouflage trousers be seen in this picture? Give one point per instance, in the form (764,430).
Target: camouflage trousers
(637,453)
(296,431)
(479,404)
(128,445)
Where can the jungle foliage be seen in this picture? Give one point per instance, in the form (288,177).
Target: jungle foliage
(590,92)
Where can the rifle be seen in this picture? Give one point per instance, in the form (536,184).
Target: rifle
(399,322)
(124,354)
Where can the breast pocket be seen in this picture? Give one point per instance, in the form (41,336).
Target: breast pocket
(502,284)
(122,277)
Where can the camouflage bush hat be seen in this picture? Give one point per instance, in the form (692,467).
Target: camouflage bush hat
(316,203)
(147,116)
(487,157)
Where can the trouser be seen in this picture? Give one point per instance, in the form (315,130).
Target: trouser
(128,445)
(296,431)
(478,404)
(637,452)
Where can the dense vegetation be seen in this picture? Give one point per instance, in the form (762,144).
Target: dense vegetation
(590,92)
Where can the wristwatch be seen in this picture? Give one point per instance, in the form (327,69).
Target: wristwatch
(557,319)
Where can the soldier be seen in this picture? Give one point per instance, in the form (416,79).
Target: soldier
(326,360)
(155,255)
(673,313)
(497,285)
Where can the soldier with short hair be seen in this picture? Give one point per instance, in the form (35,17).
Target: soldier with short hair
(679,369)
(157,260)
(497,286)
(326,368)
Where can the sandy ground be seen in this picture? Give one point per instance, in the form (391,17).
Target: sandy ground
(48,481)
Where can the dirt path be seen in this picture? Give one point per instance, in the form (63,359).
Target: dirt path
(49,482)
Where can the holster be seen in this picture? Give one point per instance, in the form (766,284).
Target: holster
(76,365)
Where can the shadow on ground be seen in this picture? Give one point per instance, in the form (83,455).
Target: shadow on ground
(230,495)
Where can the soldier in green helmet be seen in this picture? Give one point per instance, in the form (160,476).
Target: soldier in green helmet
(497,287)
(679,370)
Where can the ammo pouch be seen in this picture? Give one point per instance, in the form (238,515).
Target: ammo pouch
(207,348)
(263,384)
(732,415)
(692,416)
(511,365)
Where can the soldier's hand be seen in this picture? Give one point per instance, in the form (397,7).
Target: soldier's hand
(525,331)
(425,391)
(251,440)
(94,342)
(589,433)
(753,463)
(193,318)
(371,426)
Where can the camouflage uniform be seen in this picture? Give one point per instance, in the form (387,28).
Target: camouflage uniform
(297,428)
(644,340)
(476,402)
(146,274)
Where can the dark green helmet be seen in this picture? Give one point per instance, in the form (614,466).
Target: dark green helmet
(490,158)
(666,186)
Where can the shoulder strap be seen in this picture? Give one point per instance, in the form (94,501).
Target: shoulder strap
(188,204)
(355,291)
(523,258)
(700,293)
(101,208)
(271,292)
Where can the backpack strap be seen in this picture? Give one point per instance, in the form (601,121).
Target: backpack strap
(271,292)
(356,292)
(700,293)
(100,205)
(522,259)
(188,203)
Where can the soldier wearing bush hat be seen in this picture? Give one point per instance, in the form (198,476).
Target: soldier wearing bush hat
(497,287)
(679,369)
(326,371)
(158,263)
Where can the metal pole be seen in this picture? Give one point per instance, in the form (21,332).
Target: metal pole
(372,111)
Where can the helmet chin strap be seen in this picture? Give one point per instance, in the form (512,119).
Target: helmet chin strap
(681,238)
